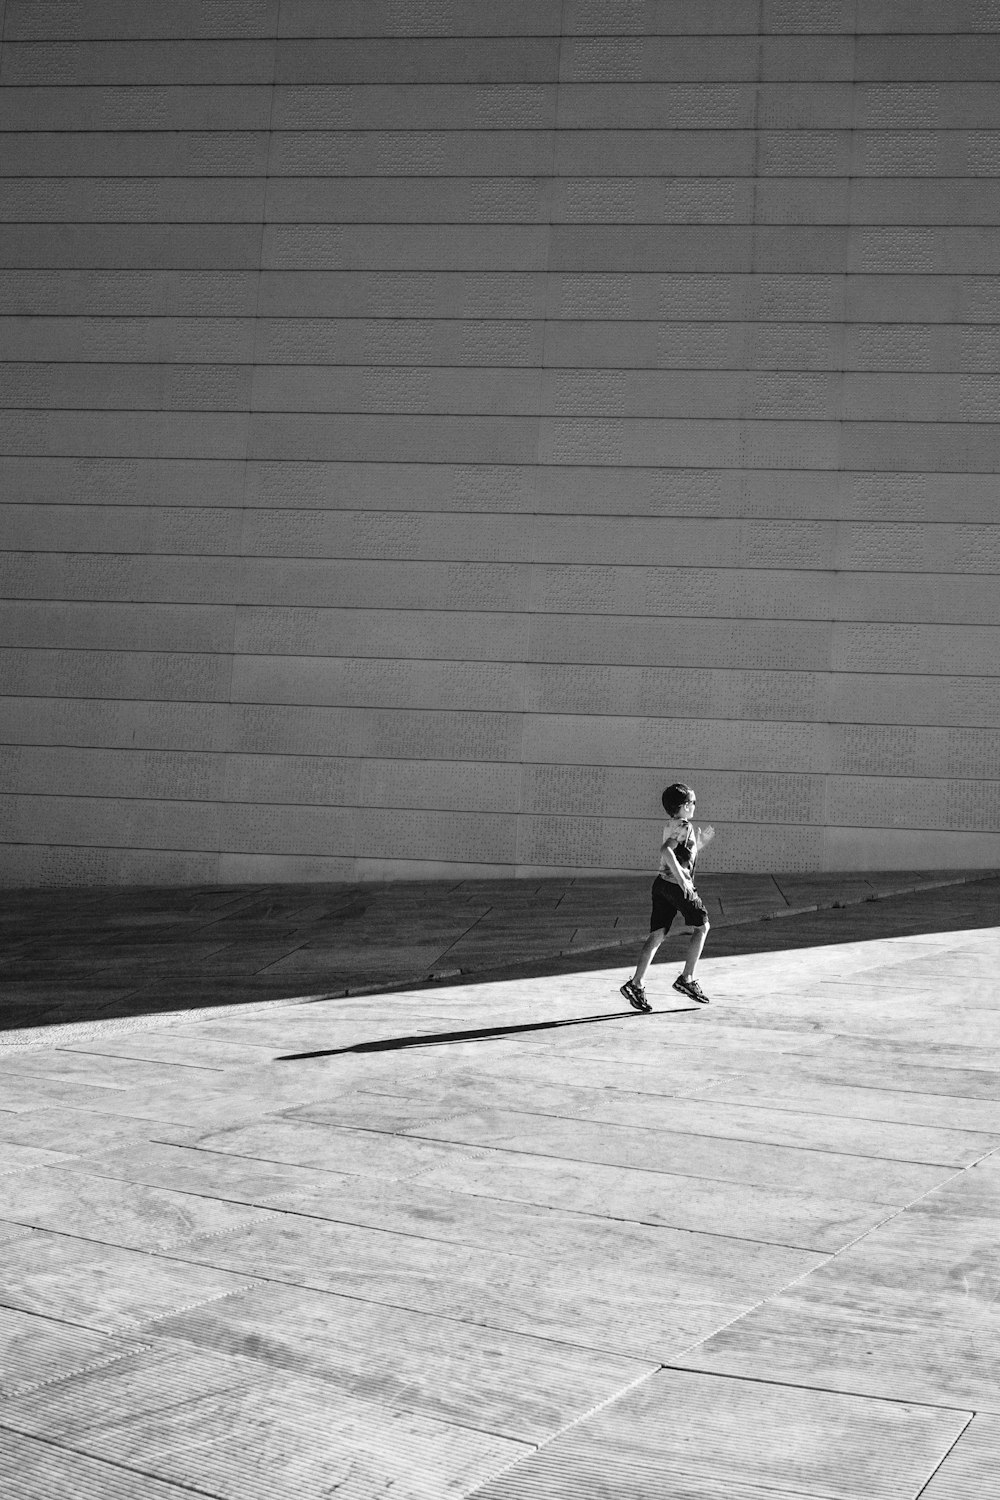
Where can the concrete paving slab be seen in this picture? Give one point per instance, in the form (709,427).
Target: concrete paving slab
(117,1213)
(797,1128)
(867,1348)
(415,1208)
(301,1143)
(690,1155)
(784,1089)
(792,1217)
(970,1469)
(61,1065)
(105,1287)
(596,1307)
(72,1132)
(211,1174)
(237,1430)
(32,1469)
(38,1350)
(10,1232)
(484,1379)
(687,1435)
(23,1158)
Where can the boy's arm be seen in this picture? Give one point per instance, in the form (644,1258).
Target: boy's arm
(669,858)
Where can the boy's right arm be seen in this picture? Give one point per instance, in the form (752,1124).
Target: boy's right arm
(680,875)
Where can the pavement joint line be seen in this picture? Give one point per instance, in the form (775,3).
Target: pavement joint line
(87,1369)
(831,1390)
(945,1457)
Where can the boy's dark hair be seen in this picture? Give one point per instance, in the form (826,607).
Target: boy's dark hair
(674,798)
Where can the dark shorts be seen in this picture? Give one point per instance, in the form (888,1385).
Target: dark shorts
(668,900)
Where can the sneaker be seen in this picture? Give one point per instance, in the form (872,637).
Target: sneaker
(635,995)
(691,987)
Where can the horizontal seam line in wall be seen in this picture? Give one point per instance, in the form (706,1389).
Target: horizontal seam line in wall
(363,132)
(504,713)
(702,620)
(491,713)
(265,39)
(574,817)
(547,224)
(535,416)
(832,569)
(534,271)
(433,319)
(553,83)
(493,661)
(531,367)
(570,517)
(529,765)
(569,178)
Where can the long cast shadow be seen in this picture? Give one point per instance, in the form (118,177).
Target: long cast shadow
(485,1033)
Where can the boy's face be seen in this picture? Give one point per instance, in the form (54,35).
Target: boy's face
(687,811)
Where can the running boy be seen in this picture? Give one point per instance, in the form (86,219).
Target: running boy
(673,892)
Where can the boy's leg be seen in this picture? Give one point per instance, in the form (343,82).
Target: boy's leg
(646,956)
(695,946)
(697,919)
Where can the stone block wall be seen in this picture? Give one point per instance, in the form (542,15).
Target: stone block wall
(429,426)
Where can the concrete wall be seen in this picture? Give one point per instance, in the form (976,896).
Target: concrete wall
(434,424)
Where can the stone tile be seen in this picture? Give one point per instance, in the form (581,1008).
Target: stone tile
(22,1158)
(793,1217)
(66,1064)
(301,1143)
(802,1128)
(702,1438)
(683,1154)
(515,1386)
(72,1131)
(32,1470)
(102,1286)
(784,1090)
(210,1174)
(10,1232)
(597,1308)
(970,1469)
(181,1045)
(907,1311)
(701,1263)
(239,1431)
(39,1350)
(118,1213)
(862,1345)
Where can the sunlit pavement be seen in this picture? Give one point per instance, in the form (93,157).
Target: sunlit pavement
(503,1236)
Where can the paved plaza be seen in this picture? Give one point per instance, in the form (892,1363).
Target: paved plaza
(383,1191)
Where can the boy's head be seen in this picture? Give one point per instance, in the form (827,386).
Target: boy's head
(676,798)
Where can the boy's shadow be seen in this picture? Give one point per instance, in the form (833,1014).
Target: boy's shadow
(486,1033)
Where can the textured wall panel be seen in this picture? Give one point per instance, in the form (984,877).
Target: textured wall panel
(426,427)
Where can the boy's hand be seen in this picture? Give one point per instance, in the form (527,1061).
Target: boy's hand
(704,835)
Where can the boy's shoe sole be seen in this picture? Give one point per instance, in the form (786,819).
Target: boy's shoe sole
(695,993)
(635,997)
